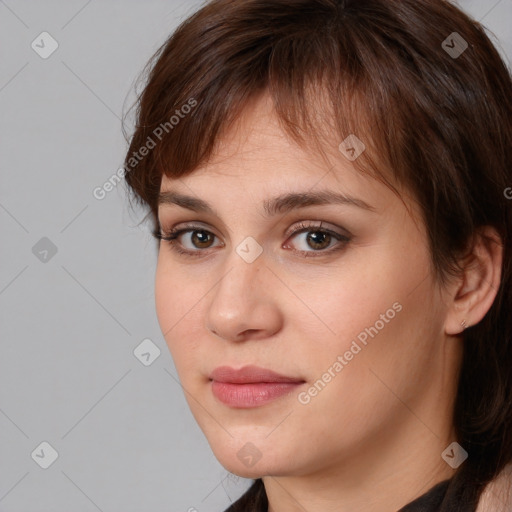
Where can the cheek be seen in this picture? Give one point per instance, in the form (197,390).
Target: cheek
(372,378)
(347,304)
(393,364)
(175,299)
(379,313)
(174,292)
(165,298)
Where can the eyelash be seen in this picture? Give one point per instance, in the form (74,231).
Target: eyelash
(172,235)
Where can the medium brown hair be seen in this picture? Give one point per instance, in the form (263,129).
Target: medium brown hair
(438,123)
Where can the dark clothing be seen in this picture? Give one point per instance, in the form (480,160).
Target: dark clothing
(430,501)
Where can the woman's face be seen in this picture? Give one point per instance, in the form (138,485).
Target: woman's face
(350,312)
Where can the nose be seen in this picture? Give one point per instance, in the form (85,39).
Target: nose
(243,305)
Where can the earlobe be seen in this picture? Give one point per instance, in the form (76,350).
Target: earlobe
(476,290)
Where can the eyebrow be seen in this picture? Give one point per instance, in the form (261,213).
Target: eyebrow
(277,205)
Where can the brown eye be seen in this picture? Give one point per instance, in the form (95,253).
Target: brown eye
(201,239)
(318,240)
(190,241)
(312,238)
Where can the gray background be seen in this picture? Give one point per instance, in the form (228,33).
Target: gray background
(70,321)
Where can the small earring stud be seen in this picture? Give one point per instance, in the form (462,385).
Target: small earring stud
(463,324)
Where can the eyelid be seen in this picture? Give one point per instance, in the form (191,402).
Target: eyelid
(302,226)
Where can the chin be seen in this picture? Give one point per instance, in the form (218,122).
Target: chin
(247,462)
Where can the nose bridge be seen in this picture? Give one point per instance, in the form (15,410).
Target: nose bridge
(243,273)
(238,298)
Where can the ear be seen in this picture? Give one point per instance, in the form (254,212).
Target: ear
(474,292)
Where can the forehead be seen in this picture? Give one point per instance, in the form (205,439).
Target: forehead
(256,147)
(256,157)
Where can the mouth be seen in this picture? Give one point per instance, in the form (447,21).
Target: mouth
(250,386)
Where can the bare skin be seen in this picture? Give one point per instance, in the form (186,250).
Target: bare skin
(371,439)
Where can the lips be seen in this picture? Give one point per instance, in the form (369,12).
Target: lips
(250,386)
(249,375)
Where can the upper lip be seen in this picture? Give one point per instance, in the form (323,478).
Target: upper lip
(249,374)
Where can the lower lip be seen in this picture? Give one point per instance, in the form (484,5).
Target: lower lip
(253,394)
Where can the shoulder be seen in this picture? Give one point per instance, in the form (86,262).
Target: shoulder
(497,495)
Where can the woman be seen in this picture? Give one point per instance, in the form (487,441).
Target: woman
(327,182)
